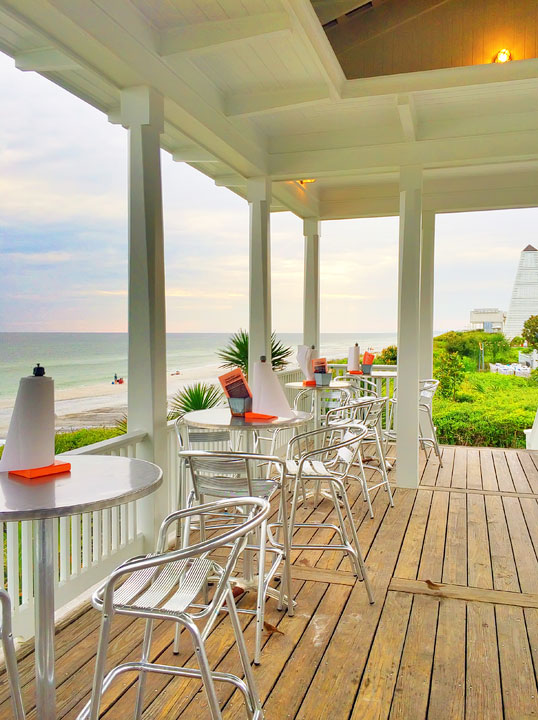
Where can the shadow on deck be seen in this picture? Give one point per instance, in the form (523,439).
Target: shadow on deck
(453,632)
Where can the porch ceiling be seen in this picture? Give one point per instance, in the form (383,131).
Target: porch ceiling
(255,88)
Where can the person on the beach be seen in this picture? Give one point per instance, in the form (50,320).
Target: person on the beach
(115,378)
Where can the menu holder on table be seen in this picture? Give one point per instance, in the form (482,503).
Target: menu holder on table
(367,361)
(237,391)
(321,372)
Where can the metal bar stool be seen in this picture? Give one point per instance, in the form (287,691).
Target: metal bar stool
(231,475)
(367,413)
(330,463)
(164,586)
(10,658)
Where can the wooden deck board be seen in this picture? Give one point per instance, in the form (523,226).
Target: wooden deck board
(453,633)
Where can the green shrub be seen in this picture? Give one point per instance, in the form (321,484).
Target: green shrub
(517,342)
(530,331)
(450,371)
(492,410)
(388,356)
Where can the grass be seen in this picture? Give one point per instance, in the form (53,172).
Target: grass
(80,438)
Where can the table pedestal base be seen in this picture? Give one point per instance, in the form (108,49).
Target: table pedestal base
(44,569)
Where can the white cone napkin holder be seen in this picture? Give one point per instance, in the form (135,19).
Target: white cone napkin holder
(354,359)
(305,353)
(268,397)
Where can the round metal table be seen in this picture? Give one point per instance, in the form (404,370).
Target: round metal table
(94,483)
(317,390)
(222,419)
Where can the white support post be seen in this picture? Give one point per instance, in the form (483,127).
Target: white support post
(407,418)
(259,200)
(427,261)
(142,113)
(311,296)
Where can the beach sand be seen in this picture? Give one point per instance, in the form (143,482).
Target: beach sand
(102,405)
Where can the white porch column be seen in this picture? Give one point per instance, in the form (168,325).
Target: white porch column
(408,326)
(142,113)
(311,296)
(259,200)
(427,259)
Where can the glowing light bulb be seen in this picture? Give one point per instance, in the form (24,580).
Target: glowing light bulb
(503,56)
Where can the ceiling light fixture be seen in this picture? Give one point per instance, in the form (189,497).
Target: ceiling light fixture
(503,56)
(306,181)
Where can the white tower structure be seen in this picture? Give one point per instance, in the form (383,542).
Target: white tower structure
(524,302)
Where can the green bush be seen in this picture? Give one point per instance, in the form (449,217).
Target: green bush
(388,356)
(80,438)
(450,371)
(492,411)
(530,331)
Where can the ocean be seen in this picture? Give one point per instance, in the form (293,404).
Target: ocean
(77,360)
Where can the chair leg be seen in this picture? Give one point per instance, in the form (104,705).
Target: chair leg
(185,542)
(364,484)
(357,549)
(383,466)
(99,673)
(286,578)
(260,600)
(146,647)
(11,665)
(205,669)
(343,530)
(243,655)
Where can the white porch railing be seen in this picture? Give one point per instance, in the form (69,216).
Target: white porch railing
(90,545)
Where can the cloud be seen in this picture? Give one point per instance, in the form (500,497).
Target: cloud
(39,258)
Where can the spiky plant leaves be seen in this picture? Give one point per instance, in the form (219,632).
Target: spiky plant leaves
(198,396)
(235,354)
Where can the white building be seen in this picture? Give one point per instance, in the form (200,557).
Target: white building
(488,319)
(524,302)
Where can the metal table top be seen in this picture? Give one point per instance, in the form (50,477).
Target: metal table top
(222,419)
(95,482)
(298,385)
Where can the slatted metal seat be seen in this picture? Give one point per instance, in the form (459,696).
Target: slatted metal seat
(9,657)
(165,586)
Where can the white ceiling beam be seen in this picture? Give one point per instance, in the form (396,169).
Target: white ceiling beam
(408,117)
(48,59)
(193,154)
(445,152)
(244,104)
(440,79)
(306,26)
(206,36)
(231,180)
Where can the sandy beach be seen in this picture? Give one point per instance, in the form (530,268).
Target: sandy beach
(103,404)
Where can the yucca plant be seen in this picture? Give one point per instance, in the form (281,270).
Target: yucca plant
(198,396)
(235,354)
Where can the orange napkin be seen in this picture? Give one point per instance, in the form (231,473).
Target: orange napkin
(57,467)
(309,383)
(252,417)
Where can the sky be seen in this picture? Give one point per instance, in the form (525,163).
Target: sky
(63,238)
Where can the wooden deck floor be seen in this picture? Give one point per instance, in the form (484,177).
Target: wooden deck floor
(453,632)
